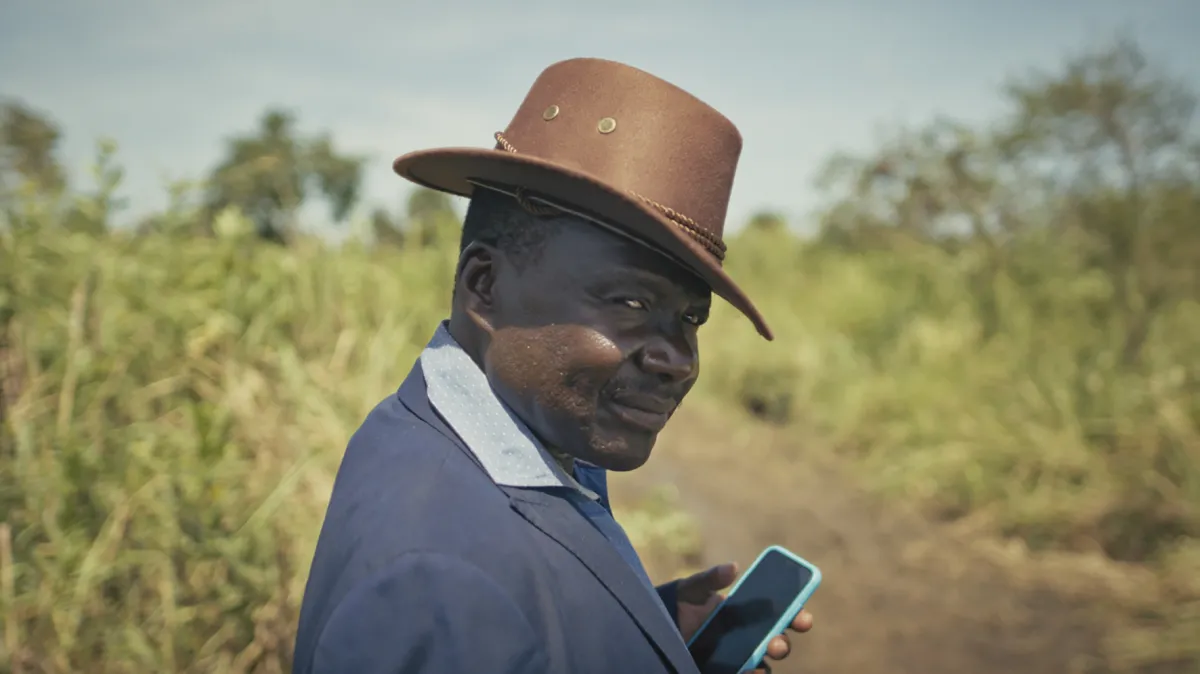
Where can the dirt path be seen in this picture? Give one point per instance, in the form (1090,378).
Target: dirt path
(900,594)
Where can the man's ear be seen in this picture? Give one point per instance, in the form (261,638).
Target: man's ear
(475,284)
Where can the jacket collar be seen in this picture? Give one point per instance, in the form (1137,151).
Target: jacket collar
(506,448)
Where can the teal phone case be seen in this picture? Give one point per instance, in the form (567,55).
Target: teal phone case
(788,616)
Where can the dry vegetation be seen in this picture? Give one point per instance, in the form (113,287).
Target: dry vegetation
(176,411)
(174,405)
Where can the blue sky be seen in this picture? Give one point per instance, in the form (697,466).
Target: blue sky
(170,79)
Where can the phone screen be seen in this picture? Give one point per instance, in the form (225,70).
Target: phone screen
(748,615)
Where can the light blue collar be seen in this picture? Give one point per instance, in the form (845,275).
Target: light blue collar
(508,450)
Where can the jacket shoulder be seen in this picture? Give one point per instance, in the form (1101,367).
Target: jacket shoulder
(429,612)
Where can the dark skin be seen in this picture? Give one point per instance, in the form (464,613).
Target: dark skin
(593,342)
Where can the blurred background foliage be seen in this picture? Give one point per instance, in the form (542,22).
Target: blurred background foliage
(998,322)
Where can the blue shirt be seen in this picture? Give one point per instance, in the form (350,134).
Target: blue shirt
(508,451)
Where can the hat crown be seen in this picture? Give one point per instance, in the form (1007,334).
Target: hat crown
(638,133)
(616,146)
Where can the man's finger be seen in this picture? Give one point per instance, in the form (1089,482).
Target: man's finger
(803,621)
(717,578)
(779,647)
(699,588)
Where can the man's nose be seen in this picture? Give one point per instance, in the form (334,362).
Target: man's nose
(670,357)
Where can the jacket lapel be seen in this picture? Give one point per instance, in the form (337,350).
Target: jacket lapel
(414,395)
(559,520)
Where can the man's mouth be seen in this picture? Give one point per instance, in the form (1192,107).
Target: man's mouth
(649,413)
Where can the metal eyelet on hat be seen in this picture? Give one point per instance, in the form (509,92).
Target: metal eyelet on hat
(607,125)
(550,113)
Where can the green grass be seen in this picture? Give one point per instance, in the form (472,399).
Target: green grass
(666,536)
(176,409)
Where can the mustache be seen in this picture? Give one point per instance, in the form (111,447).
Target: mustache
(649,396)
(643,393)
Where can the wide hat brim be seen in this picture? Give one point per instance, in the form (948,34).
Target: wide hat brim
(460,170)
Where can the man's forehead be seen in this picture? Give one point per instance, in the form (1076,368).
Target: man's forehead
(669,262)
(659,278)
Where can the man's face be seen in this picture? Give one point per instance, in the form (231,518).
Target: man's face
(594,343)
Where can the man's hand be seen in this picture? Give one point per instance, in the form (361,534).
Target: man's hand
(698,595)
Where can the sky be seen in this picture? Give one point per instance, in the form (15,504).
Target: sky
(171,80)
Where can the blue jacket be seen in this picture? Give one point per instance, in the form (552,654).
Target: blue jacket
(425,565)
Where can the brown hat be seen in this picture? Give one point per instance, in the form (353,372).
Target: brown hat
(617,146)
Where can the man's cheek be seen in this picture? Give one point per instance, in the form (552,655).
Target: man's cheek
(593,350)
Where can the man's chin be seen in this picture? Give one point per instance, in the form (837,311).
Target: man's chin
(623,457)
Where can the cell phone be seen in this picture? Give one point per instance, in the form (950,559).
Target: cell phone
(761,605)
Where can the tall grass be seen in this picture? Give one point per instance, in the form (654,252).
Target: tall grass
(180,411)
(176,409)
(1039,432)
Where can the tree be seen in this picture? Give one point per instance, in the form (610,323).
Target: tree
(28,149)
(33,183)
(937,183)
(386,228)
(1113,143)
(427,219)
(431,217)
(269,174)
(1099,159)
(767,221)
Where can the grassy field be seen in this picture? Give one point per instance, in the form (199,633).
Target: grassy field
(174,410)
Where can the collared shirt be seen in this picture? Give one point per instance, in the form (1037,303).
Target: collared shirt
(508,451)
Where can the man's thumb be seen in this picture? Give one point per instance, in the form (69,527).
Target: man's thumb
(719,577)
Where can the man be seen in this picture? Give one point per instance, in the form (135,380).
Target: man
(469,528)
